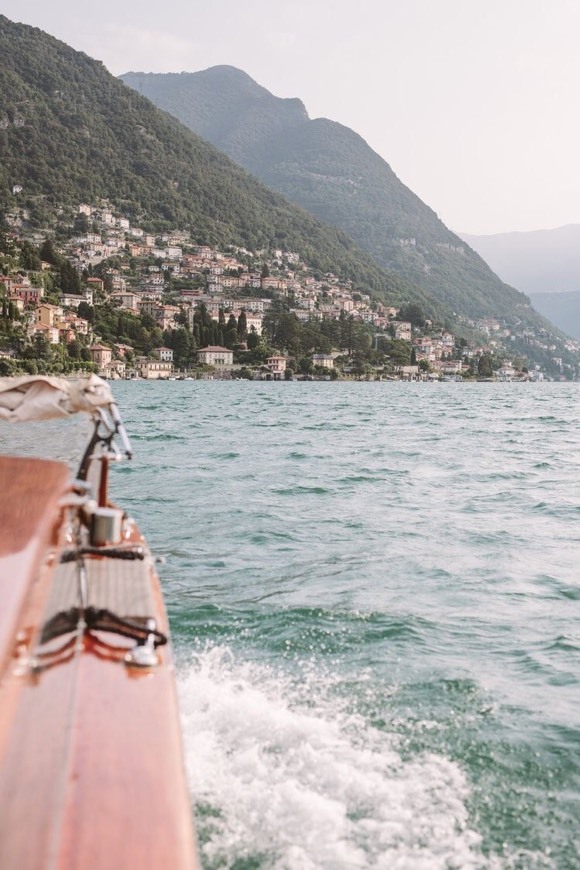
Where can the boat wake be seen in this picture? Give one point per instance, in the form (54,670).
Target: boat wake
(283,776)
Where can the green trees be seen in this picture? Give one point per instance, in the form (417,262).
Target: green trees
(242,326)
(39,349)
(485,366)
(412,313)
(70,281)
(281,327)
(49,254)
(398,351)
(86,311)
(8,245)
(182,342)
(29,257)
(253,339)
(284,331)
(227,336)
(206,331)
(67,277)
(81,224)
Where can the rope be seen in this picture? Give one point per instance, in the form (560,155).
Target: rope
(101,619)
(111,552)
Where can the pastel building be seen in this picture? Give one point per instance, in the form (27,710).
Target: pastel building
(101,355)
(213,355)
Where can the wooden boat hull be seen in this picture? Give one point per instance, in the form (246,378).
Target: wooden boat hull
(91,764)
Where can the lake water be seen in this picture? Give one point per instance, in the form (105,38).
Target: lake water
(374,592)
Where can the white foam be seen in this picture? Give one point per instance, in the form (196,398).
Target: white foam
(287,775)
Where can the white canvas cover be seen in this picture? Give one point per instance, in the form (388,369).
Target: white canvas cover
(37,397)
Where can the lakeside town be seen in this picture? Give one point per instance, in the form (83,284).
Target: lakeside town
(107,296)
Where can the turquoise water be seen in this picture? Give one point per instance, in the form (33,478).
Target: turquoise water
(374,595)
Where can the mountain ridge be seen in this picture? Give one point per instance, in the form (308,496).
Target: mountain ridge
(543,263)
(70,131)
(562,309)
(332,172)
(536,261)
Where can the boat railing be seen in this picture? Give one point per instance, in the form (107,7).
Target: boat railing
(94,527)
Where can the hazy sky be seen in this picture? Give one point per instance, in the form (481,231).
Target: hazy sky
(474,103)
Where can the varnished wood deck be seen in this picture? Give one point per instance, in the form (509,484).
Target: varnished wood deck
(124,586)
(91,767)
(30,490)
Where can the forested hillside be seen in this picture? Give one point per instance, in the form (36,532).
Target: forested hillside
(563,309)
(331,171)
(71,132)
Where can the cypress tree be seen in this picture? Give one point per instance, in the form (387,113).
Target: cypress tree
(242,325)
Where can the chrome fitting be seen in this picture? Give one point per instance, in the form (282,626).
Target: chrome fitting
(144,655)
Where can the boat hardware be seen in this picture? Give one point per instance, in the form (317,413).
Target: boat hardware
(83,586)
(108,424)
(102,619)
(106,526)
(143,655)
(129,553)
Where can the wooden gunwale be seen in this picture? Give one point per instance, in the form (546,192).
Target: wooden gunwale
(91,764)
(30,492)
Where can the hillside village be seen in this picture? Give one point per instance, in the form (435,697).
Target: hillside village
(180,309)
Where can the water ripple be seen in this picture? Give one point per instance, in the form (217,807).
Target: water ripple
(373,590)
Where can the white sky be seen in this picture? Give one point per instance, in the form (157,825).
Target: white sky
(474,103)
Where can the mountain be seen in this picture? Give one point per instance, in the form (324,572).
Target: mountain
(541,261)
(544,264)
(70,132)
(330,170)
(562,309)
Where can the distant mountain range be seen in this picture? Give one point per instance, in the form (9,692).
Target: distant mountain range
(330,170)
(562,309)
(541,261)
(545,264)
